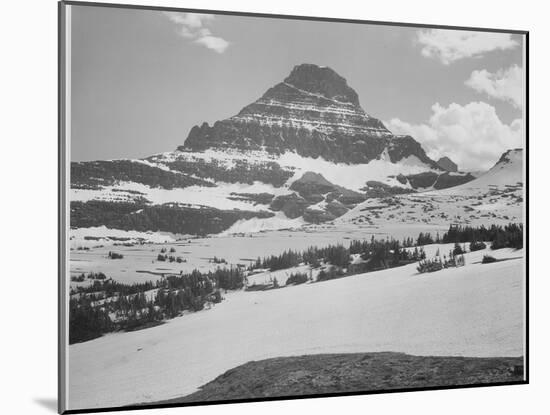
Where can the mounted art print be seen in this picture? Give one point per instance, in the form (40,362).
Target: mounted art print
(257,207)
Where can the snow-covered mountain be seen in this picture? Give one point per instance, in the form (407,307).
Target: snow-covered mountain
(314,113)
(494,197)
(507,172)
(305,152)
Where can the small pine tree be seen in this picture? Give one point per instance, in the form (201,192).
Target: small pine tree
(457,249)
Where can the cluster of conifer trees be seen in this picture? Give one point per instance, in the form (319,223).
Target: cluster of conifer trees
(508,236)
(91,276)
(106,305)
(337,255)
(455,259)
(297,278)
(376,254)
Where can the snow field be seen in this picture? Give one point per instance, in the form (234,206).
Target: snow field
(475,310)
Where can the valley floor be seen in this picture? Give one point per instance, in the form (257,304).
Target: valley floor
(476,311)
(139,262)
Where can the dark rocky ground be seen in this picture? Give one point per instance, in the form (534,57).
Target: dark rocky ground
(353,372)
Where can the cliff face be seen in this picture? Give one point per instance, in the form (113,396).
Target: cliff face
(314,113)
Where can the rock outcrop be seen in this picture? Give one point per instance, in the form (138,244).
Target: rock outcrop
(447,164)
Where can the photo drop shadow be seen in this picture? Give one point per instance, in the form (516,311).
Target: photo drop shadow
(48,403)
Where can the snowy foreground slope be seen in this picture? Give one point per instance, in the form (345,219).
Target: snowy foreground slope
(476,310)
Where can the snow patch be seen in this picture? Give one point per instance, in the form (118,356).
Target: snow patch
(279,221)
(216,197)
(352,176)
(105,236)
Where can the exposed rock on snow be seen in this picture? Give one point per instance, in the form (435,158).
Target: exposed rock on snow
(447,164)
(494,197)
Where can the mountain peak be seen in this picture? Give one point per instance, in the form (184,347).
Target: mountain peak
(510,156)
(507,171)
(314,113)
(447,164)
(322,80)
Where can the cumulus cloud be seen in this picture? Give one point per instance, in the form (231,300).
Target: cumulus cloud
(473,136)
(506,85)
(451,45)
(193,26)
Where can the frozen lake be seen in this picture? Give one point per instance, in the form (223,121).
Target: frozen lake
(140,261)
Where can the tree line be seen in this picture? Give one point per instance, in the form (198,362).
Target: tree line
(106,305)
(507,236)
(383,253)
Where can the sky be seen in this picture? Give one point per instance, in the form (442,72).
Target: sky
(141,79)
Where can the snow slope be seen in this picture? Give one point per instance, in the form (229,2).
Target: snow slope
(350,176)
(217,197)
(102,235)
(507,172)
(354,176)
(495,197)
(476,310)
(279,221)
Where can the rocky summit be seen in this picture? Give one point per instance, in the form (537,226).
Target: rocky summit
(313,112)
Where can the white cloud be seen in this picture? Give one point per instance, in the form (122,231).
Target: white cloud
(212,42)
(473,136)
(193,26)
(506,85)
(191,20)
(451,45)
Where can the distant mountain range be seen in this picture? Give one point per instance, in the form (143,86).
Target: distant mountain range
(305,152)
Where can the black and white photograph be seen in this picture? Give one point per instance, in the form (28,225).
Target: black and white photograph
(258,207)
